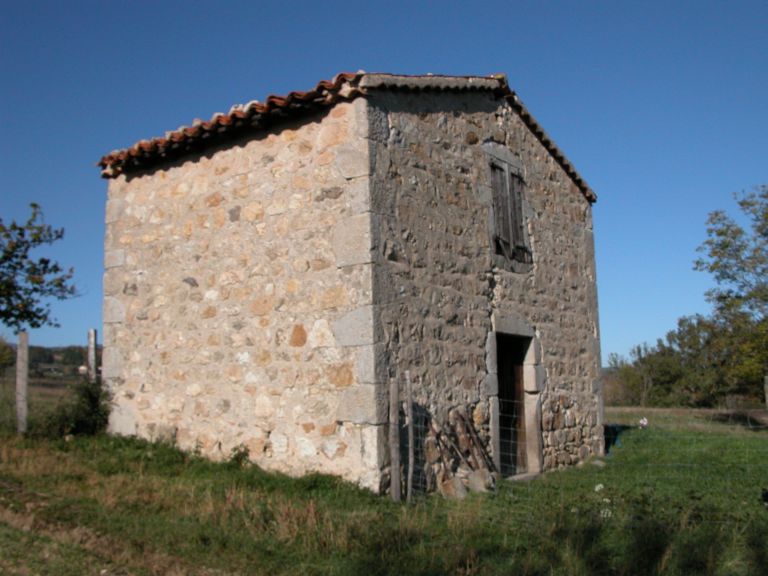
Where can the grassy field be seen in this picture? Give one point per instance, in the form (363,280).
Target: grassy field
(44,394)
(682,496)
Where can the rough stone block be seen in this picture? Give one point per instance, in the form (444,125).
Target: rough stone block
(491,355)
(374,442)
(453,489)
(480,480)
(491,384)
(355,328)
(370,364)
(363,404)
(353,161)
(533,354)
(114,311)
(114,258)
(320,336)
(358,195)
(111,362)
(122,420)
(533,432)
(351,240)
(493,405)
(534,378)
(115,209)
(359,118)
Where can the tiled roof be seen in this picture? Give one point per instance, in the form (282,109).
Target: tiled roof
(344,87)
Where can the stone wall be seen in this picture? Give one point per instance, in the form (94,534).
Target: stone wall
(262,294)
(441,299)
(238,293)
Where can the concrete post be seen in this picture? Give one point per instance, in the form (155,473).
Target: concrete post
(22,379)
(92,373)
(394,440)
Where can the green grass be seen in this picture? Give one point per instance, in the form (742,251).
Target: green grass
(681,497)
(25,552)
(43,397)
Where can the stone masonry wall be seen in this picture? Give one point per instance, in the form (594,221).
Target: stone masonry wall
(436,287)
(238,300)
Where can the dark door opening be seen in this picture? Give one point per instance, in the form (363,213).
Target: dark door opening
(510,354)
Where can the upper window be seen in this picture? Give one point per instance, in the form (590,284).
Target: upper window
(510,241)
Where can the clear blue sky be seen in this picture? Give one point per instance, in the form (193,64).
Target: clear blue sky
(661,106)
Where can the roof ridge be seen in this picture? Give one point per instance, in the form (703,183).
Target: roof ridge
(345,86)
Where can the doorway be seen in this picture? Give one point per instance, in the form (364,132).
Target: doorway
(511,352)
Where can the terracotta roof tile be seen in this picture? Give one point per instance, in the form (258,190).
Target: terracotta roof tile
(343,87)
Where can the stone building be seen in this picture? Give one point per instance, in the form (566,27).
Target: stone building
(270,271)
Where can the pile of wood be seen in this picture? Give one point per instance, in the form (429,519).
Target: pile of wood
(453,456)
(457,457)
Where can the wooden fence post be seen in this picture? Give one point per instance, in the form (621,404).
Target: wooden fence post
(765,389)
(394,440)
(92,374)
(22,379)
(409,416)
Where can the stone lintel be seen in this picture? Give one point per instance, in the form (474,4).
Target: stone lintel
(511,323)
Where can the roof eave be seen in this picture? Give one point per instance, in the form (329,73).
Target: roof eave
(327,93)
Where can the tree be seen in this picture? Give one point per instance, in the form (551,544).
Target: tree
(7,355)
(26,283)
(738,260)
(706,359)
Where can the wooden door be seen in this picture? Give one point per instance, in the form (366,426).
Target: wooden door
(510,353)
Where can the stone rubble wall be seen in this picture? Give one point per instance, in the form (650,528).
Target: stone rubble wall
(559,299)
(238,301)
(435,284)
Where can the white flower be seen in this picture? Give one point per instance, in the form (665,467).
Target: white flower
(606,513)
(643,422)
(599,488)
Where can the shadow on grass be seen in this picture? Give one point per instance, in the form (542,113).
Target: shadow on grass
(612,433)
(755,421)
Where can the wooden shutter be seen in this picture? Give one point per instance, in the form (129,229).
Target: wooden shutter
(501,210)
(521,252)
(516,211)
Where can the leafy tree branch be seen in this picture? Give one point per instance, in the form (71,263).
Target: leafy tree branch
(27,283)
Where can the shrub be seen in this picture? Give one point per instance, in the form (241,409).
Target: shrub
(84,413)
